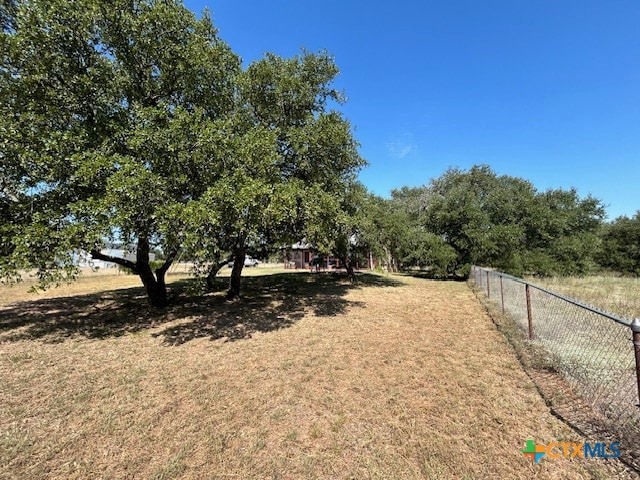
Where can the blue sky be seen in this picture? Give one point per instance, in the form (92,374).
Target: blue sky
(545,90)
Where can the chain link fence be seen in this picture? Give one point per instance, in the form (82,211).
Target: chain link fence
(596,351)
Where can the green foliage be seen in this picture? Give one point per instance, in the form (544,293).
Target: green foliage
(155,264)
(564,234)
(288,161)
(427,250)
(479,214)
(476,216)
(621,245)
(337,224)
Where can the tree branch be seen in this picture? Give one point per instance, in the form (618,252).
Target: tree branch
(97,255)
(167,263)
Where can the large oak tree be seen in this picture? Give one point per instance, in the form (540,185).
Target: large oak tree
(131,121)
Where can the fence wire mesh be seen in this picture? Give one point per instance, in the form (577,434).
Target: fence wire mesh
(594,350)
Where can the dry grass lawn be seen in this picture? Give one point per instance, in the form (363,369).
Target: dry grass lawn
(614,294)
(307,377)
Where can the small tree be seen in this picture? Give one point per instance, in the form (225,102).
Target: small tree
(339,226)
(386,230)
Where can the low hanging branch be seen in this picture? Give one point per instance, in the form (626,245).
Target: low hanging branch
(97,255)
(133,266)
(213,272)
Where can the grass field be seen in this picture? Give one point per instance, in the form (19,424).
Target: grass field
(614,294)
(308,376)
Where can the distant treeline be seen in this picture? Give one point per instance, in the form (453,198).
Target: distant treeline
(478,217)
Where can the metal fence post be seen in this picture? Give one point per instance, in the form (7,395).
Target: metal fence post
(635,328)
(501,294)
(529,317)
(488,290)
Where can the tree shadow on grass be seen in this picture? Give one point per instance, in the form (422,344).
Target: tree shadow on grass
(268,303)
(428,275)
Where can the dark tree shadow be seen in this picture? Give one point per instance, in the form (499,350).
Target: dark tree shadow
(428,275)
(268,302)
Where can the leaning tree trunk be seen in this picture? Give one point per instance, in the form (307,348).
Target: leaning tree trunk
(213,272)
(236,272)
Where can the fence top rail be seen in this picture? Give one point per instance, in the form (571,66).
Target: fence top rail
(622,321)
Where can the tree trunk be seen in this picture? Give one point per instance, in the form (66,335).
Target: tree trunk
(346,261)
(154,285)
(156,288)
(390,267)
(213,272)
(236,272)
(350,272)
